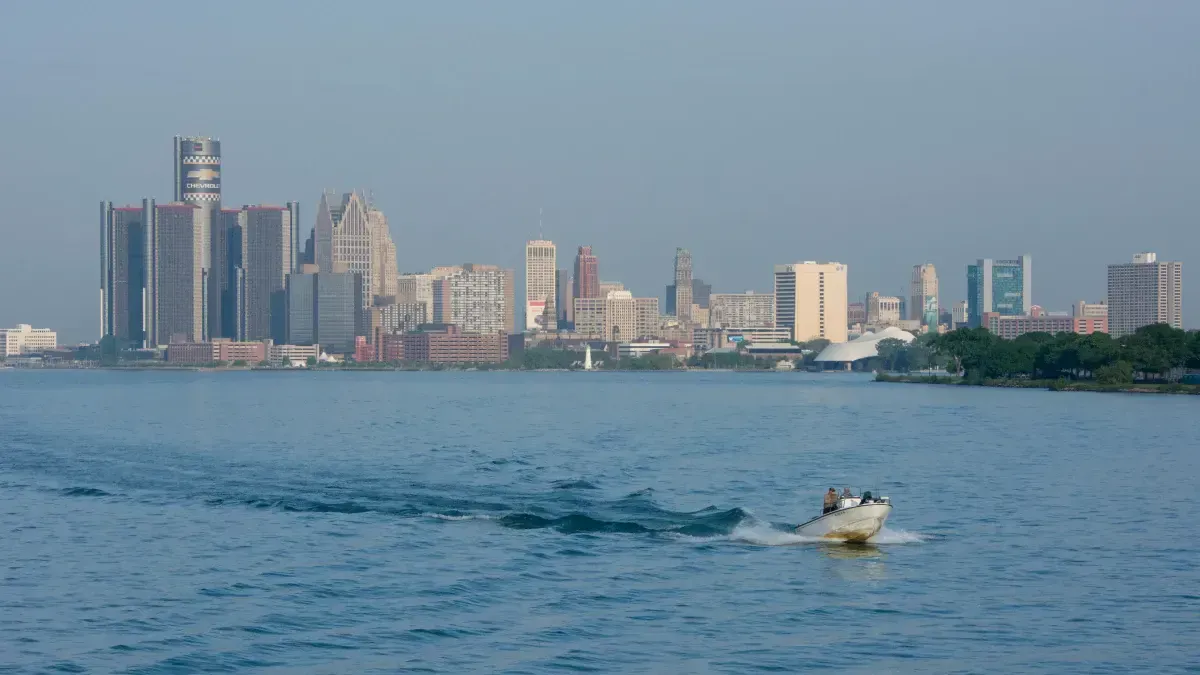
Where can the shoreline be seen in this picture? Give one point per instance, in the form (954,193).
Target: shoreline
(1048,385)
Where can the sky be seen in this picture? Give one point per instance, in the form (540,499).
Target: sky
(879,134)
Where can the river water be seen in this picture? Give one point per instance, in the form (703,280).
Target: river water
(179,522)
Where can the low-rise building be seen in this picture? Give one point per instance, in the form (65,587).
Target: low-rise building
(191,353)
(277,354)
(449,345)
(753,335)
(250,352)
(747,309)
(635,349)
(1010,327)
(25,339)
(363,351)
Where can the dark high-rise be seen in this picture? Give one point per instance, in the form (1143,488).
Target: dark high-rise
(683,284)
(123,267)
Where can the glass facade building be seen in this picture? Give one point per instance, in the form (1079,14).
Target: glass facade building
(1003,287)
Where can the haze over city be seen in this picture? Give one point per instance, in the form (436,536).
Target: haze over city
(880,135)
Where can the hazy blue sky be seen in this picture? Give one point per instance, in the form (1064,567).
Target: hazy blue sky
(879,134)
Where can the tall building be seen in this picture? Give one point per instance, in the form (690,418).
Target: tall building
(683,284)
(417,289)
(540,267)
(647,320)
(701,294)
(123,265)
(586,282)
(617,317)
(176,283)
(564,303)
(1144,292)
(324,308)
(229,231)
(476,298)
(811,300)
(198,183)
(742,310)
(884,310)
(266,261)
(355,234)
(924,296)
(1003,287)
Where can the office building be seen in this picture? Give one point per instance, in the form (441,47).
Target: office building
(355,234)
(1037,321)
(811,300)
(266,260)
(197,163)
(647,318)
(176,286)
(1144,292)
(324,308)
(1003,287)
(701,296)
(745,310)
(883,310)
(586,282)
(278,355)
(923,296)
(25,339)
(123,266)
(683,284)
(1084,309)
(402,317)
(564,303)
(856,313)
(540,292)
(607,287)
(617,316)
(961,314)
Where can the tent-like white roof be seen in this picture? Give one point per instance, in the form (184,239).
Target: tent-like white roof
(862,347)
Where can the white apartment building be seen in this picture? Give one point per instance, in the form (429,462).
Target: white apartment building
(540,267)
(743,310)
(25,339)
(1144,292)
(617,316)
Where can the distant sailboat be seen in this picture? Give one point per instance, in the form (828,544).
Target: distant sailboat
(587,358)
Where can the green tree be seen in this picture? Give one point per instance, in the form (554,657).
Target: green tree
(1120,372)
(891,354)
(311,361)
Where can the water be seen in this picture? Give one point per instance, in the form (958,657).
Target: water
(547,522)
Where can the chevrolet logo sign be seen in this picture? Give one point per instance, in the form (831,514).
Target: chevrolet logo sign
(203,174)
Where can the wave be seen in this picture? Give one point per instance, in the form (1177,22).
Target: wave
(85,492)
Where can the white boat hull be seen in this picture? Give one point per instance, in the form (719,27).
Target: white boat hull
(855,524)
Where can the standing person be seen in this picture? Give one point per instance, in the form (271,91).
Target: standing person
(846,493)
(830,501)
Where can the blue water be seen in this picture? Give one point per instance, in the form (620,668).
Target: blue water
(547,522)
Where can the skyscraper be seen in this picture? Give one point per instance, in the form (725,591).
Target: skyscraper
(324,308)
(563,301)
(123,259)
(1004,287)
(1144,292)
(198,182)
(176,283)
(683,284)
(228,230)
(266,261)
(480,298)
(587,274)
(811,300)
(924,295)
(354,233)
(540,265)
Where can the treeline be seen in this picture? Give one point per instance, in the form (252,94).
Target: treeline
(1157,352)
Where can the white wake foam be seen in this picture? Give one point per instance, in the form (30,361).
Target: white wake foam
(887,536)
(470,516)
(762,534)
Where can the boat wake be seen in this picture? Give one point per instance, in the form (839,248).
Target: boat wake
(568,507)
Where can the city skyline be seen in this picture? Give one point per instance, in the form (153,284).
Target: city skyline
(992,140)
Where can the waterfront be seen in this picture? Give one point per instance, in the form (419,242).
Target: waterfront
(539,522)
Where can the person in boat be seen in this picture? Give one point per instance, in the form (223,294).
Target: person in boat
(867,499)
(846,494)
(830,501)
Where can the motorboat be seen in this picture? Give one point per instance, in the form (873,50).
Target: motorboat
(853,519)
